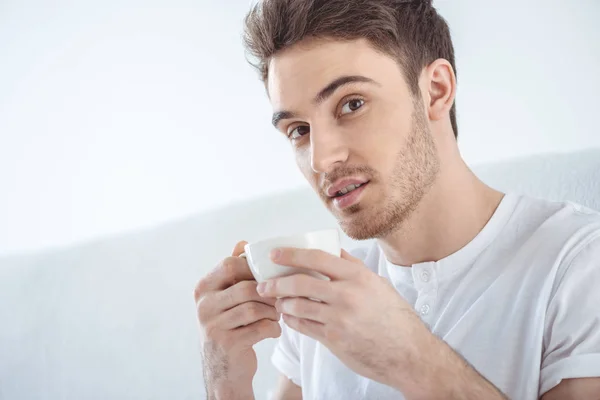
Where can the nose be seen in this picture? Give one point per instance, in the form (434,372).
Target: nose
(328,150)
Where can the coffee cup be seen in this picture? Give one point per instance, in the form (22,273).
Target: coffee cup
(258,253)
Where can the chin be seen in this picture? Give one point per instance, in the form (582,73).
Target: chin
(360,224)
(358,231)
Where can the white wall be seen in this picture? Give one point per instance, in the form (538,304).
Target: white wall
(120,114)
(116,320)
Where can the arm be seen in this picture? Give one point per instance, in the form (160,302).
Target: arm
(287,390)
(571,360)
(232,318)
(574,389)
(229,392)
(571,363)
(397,350)
(441,373)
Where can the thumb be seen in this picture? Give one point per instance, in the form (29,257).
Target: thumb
(347,256)
(239,248)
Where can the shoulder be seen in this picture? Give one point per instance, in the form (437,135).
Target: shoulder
(560,222)
(565,234)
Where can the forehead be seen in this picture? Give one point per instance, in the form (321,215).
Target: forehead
(297,73)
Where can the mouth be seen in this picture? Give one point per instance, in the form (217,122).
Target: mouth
(349,195)
(348,189)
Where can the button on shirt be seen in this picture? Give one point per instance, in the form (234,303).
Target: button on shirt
(520,302)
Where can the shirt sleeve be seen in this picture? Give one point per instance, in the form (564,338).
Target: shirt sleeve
(572,327)
(286,356)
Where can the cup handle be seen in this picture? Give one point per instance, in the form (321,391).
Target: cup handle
(243,255)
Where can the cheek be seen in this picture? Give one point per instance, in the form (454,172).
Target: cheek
(303,162)
(375,138)
(389,132)
(380,140)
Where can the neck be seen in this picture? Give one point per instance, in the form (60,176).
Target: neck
(454,210)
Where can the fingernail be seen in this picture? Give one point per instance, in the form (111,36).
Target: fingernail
(275,253)
(261,287)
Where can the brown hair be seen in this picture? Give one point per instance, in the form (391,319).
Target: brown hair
(410,30)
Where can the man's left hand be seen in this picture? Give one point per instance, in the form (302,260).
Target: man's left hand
(359,316)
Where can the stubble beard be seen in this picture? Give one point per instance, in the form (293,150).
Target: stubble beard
(415,171)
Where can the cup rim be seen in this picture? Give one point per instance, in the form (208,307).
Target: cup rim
(267,240)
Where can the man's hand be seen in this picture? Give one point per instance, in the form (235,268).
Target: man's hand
(362,319)
(232,318)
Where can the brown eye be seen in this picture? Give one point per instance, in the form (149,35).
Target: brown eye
(298,131)
(352,105)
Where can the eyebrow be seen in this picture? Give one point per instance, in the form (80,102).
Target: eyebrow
(324,94)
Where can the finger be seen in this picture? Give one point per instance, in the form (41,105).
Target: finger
(229,272)
(298,285)
(254,333)
(239,248)
(237,294)
(304,308)
(347,256)
(313,329)
(246,314)
(315,260)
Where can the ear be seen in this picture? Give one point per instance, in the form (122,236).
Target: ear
(440,88)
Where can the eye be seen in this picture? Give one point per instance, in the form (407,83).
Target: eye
(298,131)
(351,106)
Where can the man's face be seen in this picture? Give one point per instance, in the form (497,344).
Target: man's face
(352,121)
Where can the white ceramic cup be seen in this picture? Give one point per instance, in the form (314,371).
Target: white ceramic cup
(258,253)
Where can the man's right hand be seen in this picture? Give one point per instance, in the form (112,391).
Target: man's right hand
(232,317)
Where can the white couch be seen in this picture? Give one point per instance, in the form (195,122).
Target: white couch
(115,318)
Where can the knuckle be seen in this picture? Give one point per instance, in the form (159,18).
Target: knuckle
(267,329)
(270,329)
(244,311)
(228,268)
(275,330)
(227,298)
(249,289)
(351,302)
(260,326)
(309,280)
(322,255)
(295,283)
(294,306)
(270,313)
(199,289)
(202,310)
(303,280)
(254,310)
(345,296)
(252,335)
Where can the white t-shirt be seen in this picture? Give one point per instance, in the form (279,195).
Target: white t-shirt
(520,302)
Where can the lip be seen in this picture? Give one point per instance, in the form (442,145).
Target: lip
(342,183)
(350,198)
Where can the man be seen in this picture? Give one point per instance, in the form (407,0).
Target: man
(469,293)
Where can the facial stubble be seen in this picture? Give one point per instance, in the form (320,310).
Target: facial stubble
(415,170)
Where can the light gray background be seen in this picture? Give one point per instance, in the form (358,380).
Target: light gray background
(120,114)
